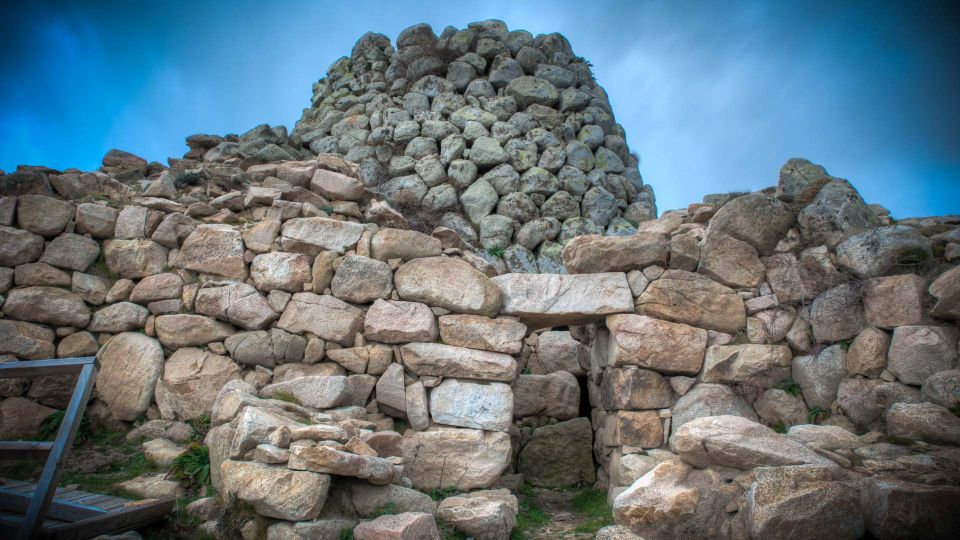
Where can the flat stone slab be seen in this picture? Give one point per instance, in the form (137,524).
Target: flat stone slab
(546,300)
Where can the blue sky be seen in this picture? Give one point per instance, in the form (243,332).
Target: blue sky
(714,96)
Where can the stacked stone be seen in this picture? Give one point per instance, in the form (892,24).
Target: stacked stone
(503,137)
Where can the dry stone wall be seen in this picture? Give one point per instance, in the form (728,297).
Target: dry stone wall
(758,365)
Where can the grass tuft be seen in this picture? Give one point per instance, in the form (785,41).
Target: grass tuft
(817,414)
(288,397)
(192,466)
(531,516)
(789,386)
(593,505)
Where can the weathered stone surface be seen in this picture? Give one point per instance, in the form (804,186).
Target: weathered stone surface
(776,406)
(214,249)
(874,252)
(709,400)
(25,340)
(394,321)
(97,220)
(130,364)
(693,299)
(326,459)
(662,346)
(804,501)
(642,429)
(157,287)
(591,254)
(824,437)
(865,400)
(756,219)
(946,289)
(440,360)
(837,314)
(759,365)
(487,406)
(391,393)
(923,421)
(406,526)
(324,316)
(545,300)
(162,452)
(867,354)
(182,330)
(336,186)
(558,351)
(660,501)
(733,441)
(152,486)
(894,301)
(454,457)
(314,234)
(819,377)
(43,215)
(119,317)
(276,491)
(20,418)
(71,251)
(370,500)
(281,270)
(634,388)
(556,395)
(321,392)
(487,515)
(50,305)
(450,283)
(900,509)
(362,280)
(19,247)
(559,455)
(942,388)
(479,332)
(730,261)
(417,406)
(400,244)
(237,303)
(134,259)
(836,213)
(917,352)
(190,382)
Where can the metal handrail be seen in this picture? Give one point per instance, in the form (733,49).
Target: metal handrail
(57,450)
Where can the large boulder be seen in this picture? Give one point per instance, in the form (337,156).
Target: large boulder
(730,261)
(330,460)
(405,526)
(191,380)
(50,305)
(318,391)
(454,457)
(478,332)
(276,492)
(486,515)
(450,283)
(837,314)
(25,340)
(706,399)
(134,259)
(487,406)
(71,251)
(18,246)
(900,509)
(43,215)
(693,299)
(361,280)
(874,252)
(559,455)
(634,388)
(759,365)
(401,244)
(214,249)
(21,418)
(803,501)
(545,300)
(239,304)
(946,289)
(327,317)
(591,254)
(917,352)
(923,421)
(184,330)
(556,395)
(130,364)
(733,441)
(558,351)
(314,234)
(119,317)
(756,219)
(281,270)
(836,213)
(819,376)
(894,301)
(394,321)
(666,347)
(441,360)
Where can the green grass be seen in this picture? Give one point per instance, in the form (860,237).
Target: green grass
(192,466)
(439,494)
(105,482)
(593,505)
(817,414)
(495,251)
(447,532)
(387,509)
(400,426)
(531,516)
(955,409)
(346,533)
(789,386)
(288,397)
(91,431)
(779,427)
